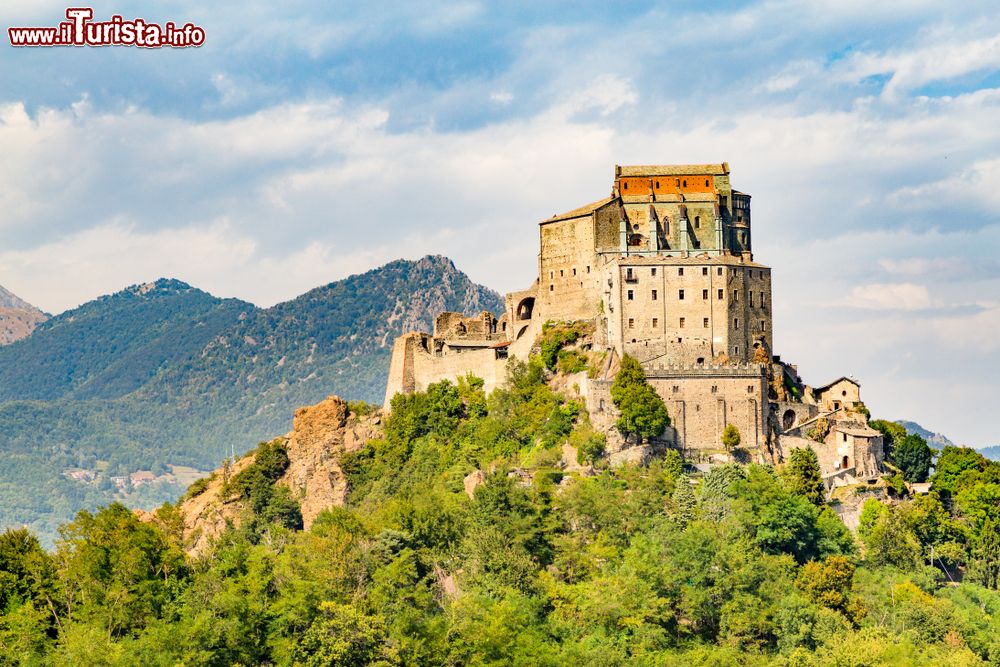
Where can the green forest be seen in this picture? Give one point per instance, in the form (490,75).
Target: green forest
(655,565)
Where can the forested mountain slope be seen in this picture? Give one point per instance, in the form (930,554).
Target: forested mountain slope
(164,374)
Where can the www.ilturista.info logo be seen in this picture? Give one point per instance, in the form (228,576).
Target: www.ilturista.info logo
(81,30)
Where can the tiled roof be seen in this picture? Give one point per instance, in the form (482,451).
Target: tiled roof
(578,212)
(672,169)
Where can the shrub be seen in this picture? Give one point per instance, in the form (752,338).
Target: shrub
(571,361)
(557,336)
(362,408)
(730,437)
(198,487)
(820,430)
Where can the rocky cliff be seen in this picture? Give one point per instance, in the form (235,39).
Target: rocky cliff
(320,434)
(18,318)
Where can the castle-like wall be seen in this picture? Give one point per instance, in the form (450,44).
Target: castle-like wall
(841,454)
(568,276)
(688,310)
(702,401)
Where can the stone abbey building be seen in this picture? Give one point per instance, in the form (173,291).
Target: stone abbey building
(664,269)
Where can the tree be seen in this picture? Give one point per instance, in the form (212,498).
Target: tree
(342,635)
(984,566)
(892,433)
(684,500)
(958,467)
(913,456)
(802,475)
(890,542)
(730,437)
(116,569)
(643,412)
(827,583)
(673,464)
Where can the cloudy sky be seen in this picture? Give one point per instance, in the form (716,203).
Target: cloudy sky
(310,140)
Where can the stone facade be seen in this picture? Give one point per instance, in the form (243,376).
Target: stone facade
(664,268)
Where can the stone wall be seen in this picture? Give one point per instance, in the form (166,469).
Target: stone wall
(688,310)
(568,276)
(701,401)
(842,393)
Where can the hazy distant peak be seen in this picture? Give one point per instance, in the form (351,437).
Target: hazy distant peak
(936,440)
(10,300)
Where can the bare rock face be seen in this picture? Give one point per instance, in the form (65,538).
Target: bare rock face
(472,482)
(18,318)
(16,323)
(320,435)
(207,514)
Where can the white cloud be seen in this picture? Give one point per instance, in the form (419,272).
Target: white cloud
(922,266)
(791,76)
(974,187)
(888,296)
(938,57)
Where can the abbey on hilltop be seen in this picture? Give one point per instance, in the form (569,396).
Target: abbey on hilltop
(664,269)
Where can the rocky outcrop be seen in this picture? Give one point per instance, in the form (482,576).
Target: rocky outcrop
(320,435)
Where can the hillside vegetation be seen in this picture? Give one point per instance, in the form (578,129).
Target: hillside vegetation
(529,566)
(164,374)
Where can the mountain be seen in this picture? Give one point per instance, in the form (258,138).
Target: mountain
(18,318)
(992,453)
(162,375)
(112,346)
(338,336)
(9,300)
(935,440)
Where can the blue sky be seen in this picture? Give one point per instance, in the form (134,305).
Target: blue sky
(310,140)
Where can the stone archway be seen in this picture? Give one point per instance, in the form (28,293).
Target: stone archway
(525,308)
(788,420)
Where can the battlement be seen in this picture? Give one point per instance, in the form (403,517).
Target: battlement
(676,370)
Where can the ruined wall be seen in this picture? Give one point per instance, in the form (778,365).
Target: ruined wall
(791,414)
(401,379)
(419,360)
(450,324)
